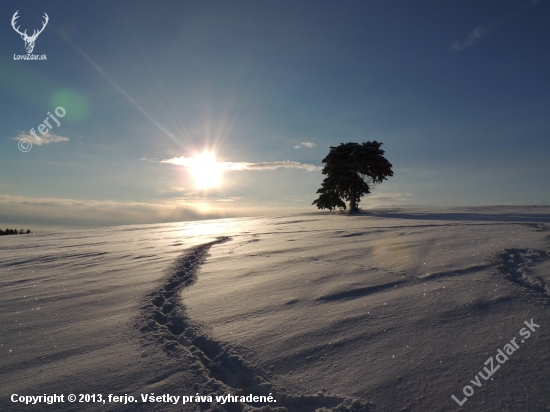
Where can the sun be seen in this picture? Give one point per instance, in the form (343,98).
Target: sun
(206,171)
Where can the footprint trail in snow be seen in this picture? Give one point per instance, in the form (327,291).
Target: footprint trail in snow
(163,322)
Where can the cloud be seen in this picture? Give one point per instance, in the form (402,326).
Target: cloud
(305,144)
(173,189)
(55,213)
(386,200)
(287,164)
(149,159)
(45,139)
(229,199)
(482,31)
(51,212)
(475,35)
(390,197)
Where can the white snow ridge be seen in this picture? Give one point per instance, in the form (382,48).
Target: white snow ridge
(390,310)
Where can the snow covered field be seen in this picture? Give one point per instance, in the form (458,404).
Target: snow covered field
(390,310)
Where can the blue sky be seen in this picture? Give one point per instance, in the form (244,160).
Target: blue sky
(458,92)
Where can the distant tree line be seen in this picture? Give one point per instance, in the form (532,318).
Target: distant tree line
(13,232)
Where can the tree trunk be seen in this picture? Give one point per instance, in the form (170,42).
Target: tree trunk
(353,205)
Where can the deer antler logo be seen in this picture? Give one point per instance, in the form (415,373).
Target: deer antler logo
(29,40)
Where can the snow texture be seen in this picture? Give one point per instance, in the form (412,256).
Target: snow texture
(390,310)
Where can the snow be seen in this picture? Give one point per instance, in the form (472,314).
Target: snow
(390,310)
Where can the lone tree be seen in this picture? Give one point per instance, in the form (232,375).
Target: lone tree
(352,169)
